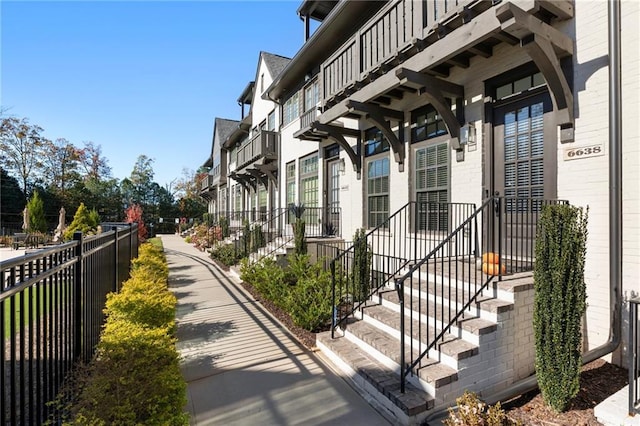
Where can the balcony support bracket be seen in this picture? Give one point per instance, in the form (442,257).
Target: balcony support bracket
(435,90)
(337,133)
(269,172)
(546,46)
(260,178)
(378,116)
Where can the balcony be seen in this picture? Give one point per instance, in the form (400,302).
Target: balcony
(259,150)
(405,28)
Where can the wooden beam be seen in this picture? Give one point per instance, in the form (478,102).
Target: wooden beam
(482,27)
(507,38)
(395,94)
(435,90)
(519,24)
(420,80)
(459,61)
(260,177)
(337,133)
(542,53)
(481,50)
(269,172)
(378,116)
(545,45)
(365,108)
(563,9)
(383,100)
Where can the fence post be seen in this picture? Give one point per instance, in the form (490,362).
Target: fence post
(116,255)
(77,342)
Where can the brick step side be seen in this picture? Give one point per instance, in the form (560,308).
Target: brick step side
(376,379)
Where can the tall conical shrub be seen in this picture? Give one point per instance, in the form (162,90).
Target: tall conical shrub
(560,302)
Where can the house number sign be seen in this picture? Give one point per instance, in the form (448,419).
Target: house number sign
(583,152)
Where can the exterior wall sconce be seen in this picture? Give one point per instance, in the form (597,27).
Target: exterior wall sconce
(468,134)
(341,166)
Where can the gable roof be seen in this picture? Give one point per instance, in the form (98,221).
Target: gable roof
(275,63)
(224,127)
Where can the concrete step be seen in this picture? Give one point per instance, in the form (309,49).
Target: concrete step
(376,379)
(450,350)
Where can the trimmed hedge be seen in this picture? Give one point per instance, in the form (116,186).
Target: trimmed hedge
(135,376)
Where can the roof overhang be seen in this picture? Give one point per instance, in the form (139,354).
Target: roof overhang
(247,94)
(316,9)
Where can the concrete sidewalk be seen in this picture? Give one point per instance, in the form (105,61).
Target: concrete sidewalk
(242,366)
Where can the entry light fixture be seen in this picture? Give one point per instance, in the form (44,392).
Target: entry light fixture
(341,166)
(468,134)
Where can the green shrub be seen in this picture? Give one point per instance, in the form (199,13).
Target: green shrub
(227,254)
(149,308)
(135,379)
(83,221)
(361,269)
(224,225)
(268,278)
(257,238)
(560,302)
(310,303)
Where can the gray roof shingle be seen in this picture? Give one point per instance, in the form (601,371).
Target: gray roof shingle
(275,63)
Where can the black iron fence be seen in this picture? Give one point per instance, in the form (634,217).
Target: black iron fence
(400,241)
(51,305)
(634,360)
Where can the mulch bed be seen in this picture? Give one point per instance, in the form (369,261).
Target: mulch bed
(598,381)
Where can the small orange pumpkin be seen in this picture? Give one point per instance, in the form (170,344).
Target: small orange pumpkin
(493,269)
(493,258)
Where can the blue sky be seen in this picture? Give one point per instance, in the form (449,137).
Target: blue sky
(144,77)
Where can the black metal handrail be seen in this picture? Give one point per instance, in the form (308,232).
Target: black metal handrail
(445,284)
(401,239)
(51,305)
(634,359)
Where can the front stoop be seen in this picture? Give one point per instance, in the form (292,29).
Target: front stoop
(480,353)
(613,410)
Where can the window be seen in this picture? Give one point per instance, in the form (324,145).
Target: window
(426,123)
(261,83)
(519,86)
(311,98)
(271,121)
(309,187)
(291,109)
(377,191)
(432,187)
(375,142)
(237,197)
(291,185)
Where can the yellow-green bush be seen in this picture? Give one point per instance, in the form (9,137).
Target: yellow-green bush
(148,308)
(135,379)
(135,376)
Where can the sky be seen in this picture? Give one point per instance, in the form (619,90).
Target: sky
(138,77)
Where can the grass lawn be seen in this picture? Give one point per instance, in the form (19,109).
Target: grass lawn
(29,314)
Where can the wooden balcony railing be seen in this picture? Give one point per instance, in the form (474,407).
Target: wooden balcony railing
(262,145)
(308,117)
(391,31)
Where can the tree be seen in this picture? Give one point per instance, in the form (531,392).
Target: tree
(133,214)
(83,221)
(37,221)
(94,165)
(560,302)
(61,166)
(105,196)
(21,146)
(12,202)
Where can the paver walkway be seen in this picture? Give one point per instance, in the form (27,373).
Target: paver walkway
(241,365)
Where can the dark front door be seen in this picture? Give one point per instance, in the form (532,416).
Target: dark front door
(524,172)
